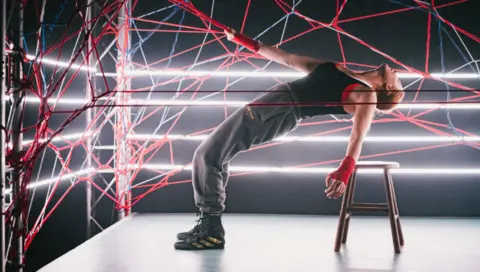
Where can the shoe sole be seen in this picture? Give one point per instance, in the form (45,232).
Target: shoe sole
(200,249)
(182,245)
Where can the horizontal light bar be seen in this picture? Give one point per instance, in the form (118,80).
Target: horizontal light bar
(263,169)
(167,73)
(73,136)
(386,139)
(133,102)
(56,63)
(273,169)
(261,74)
(377,139)
(52,180)
(208,103)
(451,106)
(232,73)
(61,64)
(105,147)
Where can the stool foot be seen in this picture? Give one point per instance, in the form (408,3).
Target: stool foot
(344,219)
(340,227)
(349,195)
(392,211)
(345,231)
(397,214)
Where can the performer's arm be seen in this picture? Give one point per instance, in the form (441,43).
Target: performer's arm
(301,63)
(337,180)
(364,113)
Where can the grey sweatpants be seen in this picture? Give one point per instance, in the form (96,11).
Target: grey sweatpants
(247,127)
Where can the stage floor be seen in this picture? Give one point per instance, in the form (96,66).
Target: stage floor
(274,243)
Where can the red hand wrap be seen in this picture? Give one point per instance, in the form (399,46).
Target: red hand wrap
(345,170)
(246,42)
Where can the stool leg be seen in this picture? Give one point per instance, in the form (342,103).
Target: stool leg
(397,213)
(391,211)
(341,220)
(350,195)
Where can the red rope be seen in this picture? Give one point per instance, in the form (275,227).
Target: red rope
(147,153)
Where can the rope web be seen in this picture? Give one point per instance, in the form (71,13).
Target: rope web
(99,67)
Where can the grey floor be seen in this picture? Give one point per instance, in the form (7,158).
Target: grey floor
(279,243)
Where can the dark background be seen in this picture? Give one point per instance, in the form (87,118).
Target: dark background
(401,35)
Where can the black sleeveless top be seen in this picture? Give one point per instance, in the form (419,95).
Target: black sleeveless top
(320,92)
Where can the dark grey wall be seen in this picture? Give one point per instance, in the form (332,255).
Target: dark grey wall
(402,36)
(303,194)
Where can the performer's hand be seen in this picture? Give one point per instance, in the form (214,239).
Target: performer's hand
(230,33)
(335,188)
(242,40)
(337,180)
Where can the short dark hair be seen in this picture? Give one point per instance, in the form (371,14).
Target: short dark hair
(388,99)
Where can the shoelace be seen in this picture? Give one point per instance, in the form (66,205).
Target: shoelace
(200,223)
(198,229)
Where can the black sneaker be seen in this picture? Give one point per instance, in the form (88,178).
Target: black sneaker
(209,235)
(182,236)
(185,235)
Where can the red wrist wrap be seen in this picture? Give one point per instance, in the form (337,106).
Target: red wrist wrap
(345,170)
(246,42)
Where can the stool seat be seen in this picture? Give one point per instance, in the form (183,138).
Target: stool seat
(391,207)
(377,164)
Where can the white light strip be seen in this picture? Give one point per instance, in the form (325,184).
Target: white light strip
(105,147)
(263,169)
(260,74)
(452,106)
(52,180)
(73,136)
(386,139)
(207,103)
(232,73)
(319,170)
(61,64)
(201,137)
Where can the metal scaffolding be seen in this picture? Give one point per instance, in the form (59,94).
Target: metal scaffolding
(15,126)
(3,136)
(12,67)
(123,116)
(90,89)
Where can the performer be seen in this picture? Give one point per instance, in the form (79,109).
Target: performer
(328,88)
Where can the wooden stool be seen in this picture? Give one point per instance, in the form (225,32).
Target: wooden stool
(348,206)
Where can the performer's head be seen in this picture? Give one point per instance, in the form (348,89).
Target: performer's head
(389,88)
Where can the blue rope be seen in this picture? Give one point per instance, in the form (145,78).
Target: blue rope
(455,44)
(442,28)
(55,20)
(43,49)
(156,11)
(442,63)
(268,28)
(137,46)
(172,51)
(44,37)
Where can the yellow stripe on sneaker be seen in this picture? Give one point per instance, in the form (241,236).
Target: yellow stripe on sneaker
(214,240)
(206,243)
(197,245)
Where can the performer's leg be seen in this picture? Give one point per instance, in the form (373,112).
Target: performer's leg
(249,126)
(227,140)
